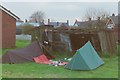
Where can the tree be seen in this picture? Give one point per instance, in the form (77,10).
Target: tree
(94,13)
(26,29)
(100,15)
(37,16)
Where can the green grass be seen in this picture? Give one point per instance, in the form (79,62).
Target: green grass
(19,44)
(33,70)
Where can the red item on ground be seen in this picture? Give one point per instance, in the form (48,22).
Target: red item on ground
(42,59)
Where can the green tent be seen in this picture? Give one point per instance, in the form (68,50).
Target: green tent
(86,58)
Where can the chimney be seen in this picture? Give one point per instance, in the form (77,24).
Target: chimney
(113,14)
(68,22)
(26,20)
(98,18)
(76,20)
(43,21)
(48,21)
(89,19)
(36,21)
(57,23)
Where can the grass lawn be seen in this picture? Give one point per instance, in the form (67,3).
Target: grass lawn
(33,70)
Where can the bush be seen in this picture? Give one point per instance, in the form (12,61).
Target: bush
(26,29)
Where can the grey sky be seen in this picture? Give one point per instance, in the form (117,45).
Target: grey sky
(58,11)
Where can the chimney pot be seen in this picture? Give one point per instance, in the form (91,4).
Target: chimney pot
(48,21)
(113,14)
(43,21)
(98,18)
(26,20)
(89,19)
(57,23)
(76,20)
(68,22)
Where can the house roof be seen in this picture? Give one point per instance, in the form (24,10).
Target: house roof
(32,24)
(9,12)
(58,24)
(54,23)
(87,24)
(35,24)
(63,24)
(115,19)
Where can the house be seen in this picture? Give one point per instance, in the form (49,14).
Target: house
(58,24)
(8,28)
(112,22)
(90,24)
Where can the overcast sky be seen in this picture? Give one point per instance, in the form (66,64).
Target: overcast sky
(58,11)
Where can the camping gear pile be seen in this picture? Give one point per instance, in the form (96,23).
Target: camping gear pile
(85,58)
(58,63)
(42,59)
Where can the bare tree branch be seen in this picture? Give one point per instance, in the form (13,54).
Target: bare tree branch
(37,16)
(94,13)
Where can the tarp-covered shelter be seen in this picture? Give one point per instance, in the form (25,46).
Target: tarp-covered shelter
(86,58)
(23,55)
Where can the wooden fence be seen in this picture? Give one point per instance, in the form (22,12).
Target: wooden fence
(108,40)
(104,40)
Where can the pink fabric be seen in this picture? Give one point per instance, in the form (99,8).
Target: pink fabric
(41,59)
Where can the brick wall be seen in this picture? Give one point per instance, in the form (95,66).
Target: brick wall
(0,28)
(8,31)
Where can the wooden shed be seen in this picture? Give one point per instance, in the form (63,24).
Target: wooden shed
(7,27)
